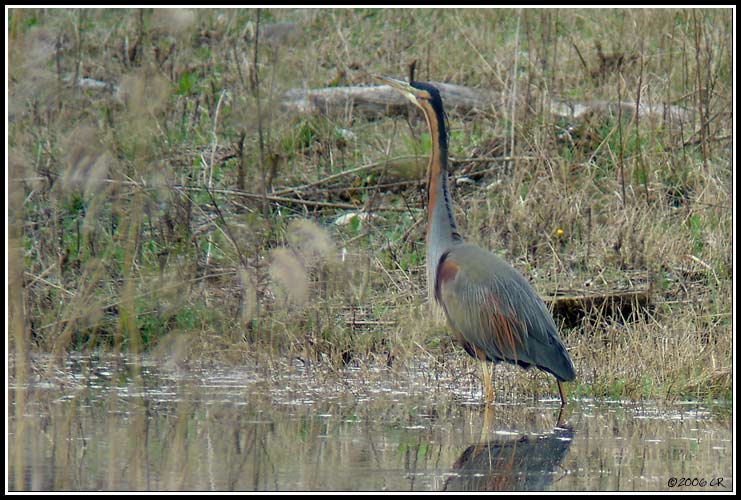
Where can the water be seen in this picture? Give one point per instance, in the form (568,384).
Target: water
(122,424)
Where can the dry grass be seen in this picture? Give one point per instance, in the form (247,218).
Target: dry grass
(139,218)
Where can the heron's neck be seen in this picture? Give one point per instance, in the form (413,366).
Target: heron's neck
(442,232)
(441,227)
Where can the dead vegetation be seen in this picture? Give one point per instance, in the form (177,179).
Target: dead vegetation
(162,194)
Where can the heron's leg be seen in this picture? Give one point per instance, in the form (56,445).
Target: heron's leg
(488,372)
(489,399)
(562,392)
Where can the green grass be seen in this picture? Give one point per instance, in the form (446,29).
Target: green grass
(121,247)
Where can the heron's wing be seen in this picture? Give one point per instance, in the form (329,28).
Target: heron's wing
(493,307)
(478,314)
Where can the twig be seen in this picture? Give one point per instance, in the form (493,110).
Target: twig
(383,163)
(276,199)
(255,82)
(578,53)
(211,171)
(360,322)
(40,278)
(215,142)
(637,127)
(706,266)
(228,232)
(281,199)
(369,166)
(487,159)
(388,275)
(378,187)
(513,97)
(620,138)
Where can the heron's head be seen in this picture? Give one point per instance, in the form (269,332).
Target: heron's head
(423,95)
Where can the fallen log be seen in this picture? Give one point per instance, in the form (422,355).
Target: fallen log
(374,101)
(570,307)
(381,100)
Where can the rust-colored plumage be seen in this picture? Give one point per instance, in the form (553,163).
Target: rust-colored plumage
(495,314)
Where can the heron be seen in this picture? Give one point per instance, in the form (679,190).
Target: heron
(493,311)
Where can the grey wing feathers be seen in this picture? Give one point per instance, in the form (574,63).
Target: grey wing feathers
(493,307)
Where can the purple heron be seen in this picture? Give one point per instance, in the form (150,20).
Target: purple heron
(493,311)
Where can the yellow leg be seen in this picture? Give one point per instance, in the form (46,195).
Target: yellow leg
(488,371)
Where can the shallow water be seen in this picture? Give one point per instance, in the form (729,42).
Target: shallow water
(123,424)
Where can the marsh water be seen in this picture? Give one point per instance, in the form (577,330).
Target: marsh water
(92,423)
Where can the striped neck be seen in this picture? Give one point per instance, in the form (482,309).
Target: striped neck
(440,219)
(442,231)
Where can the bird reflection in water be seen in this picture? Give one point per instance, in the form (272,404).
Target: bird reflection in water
(527,463)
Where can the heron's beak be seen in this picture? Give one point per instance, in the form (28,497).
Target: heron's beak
(393,82)
(403,87)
